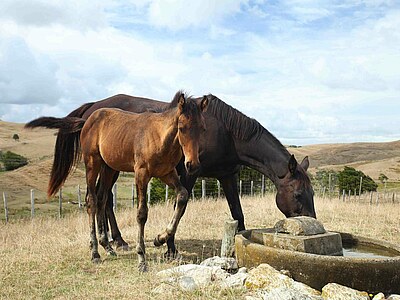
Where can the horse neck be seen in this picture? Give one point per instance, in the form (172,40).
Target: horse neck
(169,129)
(265,154)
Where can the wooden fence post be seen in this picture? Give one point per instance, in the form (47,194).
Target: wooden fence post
(359,191)
(203,189)
(344,195)
(262,185)
(133,193)
(166,193)
(240,188)
(370,197)
(114,191)
(149,192)
(228,241)
(60,204)
(79,197)
(32,203)
(251,188)
(219,188)
(5,207)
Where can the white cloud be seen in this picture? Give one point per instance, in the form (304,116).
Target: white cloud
(82,14)
(305,84)
(179,14)
(25,76)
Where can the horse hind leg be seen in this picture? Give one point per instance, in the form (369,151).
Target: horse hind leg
(104,185)
(118,241)
(92,170)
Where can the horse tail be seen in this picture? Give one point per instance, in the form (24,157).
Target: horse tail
(67,147)
(67,124)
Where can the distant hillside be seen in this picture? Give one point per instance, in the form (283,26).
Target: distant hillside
(38,146)
(371,158)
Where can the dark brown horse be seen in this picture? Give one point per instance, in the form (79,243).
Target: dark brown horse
(149,144)
(231,139)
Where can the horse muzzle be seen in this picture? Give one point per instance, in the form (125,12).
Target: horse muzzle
(192,168)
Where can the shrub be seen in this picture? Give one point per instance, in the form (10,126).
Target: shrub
(349,180)
(13,160)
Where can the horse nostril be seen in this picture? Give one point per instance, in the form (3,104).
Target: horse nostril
(188,165)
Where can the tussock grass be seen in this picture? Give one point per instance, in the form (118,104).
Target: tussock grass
(49,258)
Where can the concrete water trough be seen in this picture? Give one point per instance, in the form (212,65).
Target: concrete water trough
(361,263)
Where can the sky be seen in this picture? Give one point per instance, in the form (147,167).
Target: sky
(310,72)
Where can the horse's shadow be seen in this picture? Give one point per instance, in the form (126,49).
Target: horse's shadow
(190,250)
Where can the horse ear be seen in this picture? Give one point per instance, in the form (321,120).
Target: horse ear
(181,102)
(292,165)
(204,104)
(305,163)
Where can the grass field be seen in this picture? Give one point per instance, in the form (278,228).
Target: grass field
(49,258)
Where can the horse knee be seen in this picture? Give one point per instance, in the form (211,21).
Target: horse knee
(182,198)
(142,213)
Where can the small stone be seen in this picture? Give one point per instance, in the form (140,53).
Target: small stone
(379,296)
(334,291)
(234,281)
(394,297)
(226,263)
(286,294)
(300,226)
(242,270)
(202,275)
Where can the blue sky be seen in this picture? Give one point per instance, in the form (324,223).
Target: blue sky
(309,71)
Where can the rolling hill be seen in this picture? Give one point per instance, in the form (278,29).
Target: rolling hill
(38,146)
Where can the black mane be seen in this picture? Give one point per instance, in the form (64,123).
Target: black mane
(240,125)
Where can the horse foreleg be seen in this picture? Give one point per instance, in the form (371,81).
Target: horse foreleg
(172,180)
(229,185)
(188,182)
(142,179)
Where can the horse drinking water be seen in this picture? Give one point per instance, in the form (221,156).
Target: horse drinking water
(149,144)
(232,139)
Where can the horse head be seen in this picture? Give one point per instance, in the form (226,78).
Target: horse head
(295,196)
(190,125)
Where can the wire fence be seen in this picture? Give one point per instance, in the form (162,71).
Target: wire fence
(250,183)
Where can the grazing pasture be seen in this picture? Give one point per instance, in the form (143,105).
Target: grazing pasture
(47,258)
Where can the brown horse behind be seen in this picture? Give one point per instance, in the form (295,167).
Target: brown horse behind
(149,144)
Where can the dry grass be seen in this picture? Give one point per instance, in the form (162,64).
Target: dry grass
(49,258)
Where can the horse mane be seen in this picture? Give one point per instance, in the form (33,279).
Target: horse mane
(174,102)
(240,125)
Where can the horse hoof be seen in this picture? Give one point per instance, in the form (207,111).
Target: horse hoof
(157,241)
(120,244)
(142,267)
(96,260)
(172,255)
(124,247)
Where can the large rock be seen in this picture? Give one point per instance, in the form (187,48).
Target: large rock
(394,297)
(299,226)
(334,291)
(273,282)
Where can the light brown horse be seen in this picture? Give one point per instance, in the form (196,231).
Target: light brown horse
(149,144)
